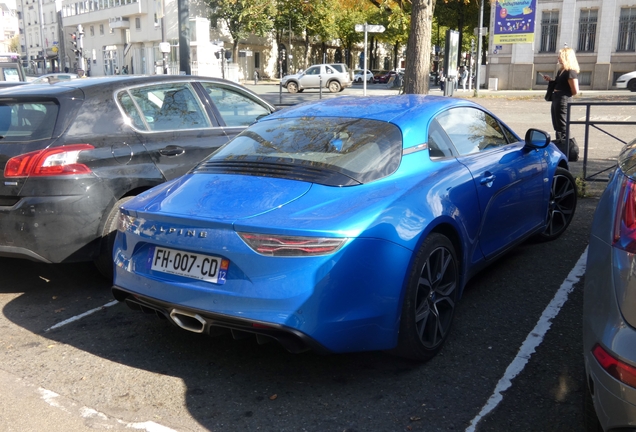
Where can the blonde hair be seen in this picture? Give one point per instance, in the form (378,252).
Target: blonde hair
(568,60)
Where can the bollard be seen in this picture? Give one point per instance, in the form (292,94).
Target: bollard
(320,78)
(280,92)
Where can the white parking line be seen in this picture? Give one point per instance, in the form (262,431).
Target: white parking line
(533,340)
(77,317)
(96,419)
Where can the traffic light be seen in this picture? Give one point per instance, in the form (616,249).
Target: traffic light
(74,46)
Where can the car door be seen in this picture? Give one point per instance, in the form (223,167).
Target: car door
(234,108)
(311,77)
(178,131)
(509,178)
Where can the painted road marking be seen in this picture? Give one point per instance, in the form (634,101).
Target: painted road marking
(533,340)
(78,317)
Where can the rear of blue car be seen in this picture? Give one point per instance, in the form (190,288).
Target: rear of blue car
(609,317)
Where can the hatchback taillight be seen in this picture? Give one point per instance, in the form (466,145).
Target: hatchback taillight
(53,161)
(620,370)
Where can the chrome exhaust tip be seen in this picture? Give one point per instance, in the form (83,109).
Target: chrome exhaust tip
(188,321)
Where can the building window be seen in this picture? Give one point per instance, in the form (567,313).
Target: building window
(101,29)
(92,30)
(627,30)
(138,23)
(257,60)
(587,30)
(585,78)
(549,31)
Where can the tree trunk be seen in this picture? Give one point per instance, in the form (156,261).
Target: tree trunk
(418,49)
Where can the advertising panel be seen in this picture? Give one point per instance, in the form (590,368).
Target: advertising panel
(514,21)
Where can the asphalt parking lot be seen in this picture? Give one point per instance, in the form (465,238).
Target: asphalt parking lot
(73,359)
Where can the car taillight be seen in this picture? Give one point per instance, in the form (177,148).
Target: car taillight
(625,217)
(621,371)
(291,246)
(48,162)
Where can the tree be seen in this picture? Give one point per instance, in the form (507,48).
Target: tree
(418,51)
(14,44)
(243,18)
(346,21)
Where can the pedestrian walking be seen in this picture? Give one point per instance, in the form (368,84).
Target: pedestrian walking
(464,78)
(442,80)
(566,85)
(255,76)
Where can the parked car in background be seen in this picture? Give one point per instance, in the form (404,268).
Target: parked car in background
(52,78)
(383,78)
(11,70)
(334,77)
(73,152)
(609,306)
(355,230)
(359,75)
(627,81)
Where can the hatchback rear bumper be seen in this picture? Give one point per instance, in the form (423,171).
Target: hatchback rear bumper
(51,229)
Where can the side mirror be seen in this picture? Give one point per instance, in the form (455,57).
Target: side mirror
(537,139)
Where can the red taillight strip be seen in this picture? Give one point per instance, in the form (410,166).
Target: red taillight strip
(621,371)
(274,245)
(43,162)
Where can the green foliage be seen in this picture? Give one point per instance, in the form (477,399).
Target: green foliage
(14,44)
(243,17)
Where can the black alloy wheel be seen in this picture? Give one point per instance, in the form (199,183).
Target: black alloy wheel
(104,261)
(561,206)
(429,301)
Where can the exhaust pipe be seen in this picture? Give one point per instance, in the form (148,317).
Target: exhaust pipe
(188,321)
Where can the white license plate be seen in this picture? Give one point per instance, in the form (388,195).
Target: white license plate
(196,266)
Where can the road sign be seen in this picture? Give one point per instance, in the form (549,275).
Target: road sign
(371,28)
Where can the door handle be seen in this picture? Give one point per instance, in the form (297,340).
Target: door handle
(172,150)
(487,180)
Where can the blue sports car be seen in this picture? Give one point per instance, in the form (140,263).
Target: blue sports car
(349,224)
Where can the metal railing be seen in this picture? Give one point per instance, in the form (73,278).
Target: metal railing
(589,122)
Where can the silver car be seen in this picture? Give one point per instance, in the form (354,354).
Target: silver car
(334,77)
(609,312)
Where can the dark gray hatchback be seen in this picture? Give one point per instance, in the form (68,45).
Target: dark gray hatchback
(73,152)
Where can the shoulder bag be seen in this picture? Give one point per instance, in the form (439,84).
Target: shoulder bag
(548,93)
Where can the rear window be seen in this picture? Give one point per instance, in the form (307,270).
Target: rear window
(361,149)
(27,121)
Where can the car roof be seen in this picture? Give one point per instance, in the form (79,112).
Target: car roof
(399,109)
(112,83)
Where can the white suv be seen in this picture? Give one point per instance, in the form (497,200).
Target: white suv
(334,77)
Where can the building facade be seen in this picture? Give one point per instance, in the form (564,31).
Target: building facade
(8,24)
(602,32)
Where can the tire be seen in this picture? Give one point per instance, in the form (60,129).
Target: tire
(561,206)
(590,419)
(104,261)
(358,80)
(631,86)
(429,300)
(292,87)
(334,86)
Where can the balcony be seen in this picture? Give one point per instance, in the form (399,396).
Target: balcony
(119,23)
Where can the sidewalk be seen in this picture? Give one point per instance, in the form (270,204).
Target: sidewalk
(271,88)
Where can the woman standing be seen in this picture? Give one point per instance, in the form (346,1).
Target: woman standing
(567,85)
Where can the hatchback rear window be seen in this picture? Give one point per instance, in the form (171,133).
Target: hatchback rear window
(27,121)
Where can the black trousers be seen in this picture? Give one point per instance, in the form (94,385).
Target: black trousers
(559,111)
